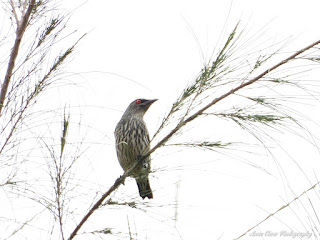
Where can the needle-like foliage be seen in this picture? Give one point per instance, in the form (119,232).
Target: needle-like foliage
(222,78)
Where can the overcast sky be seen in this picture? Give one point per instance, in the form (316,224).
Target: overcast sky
(149,49)
(152,50)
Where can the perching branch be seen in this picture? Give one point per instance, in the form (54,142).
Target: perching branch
(180,124)
(116,184)
(21,27)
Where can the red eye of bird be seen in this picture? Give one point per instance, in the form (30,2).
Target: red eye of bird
(138,101)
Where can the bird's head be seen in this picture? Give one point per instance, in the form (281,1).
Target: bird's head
(139,107)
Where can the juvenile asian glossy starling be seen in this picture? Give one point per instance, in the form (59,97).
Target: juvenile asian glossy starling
(132,141)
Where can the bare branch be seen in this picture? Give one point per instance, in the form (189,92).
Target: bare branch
(14,53)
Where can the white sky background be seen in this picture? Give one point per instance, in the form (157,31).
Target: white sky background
(143,49)
(152,45)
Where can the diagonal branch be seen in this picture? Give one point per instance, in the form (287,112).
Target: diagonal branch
(232,91)
(116,184)
(21,27)
(161,143)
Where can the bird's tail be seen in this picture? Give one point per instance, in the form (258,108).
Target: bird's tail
(144,188)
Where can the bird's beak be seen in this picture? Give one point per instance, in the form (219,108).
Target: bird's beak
(151,101)
(148,103)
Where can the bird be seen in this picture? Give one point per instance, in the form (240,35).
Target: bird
(132,142)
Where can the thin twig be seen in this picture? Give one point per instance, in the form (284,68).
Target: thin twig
(161,143)
(15,13)
(25,4)
(281,208)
